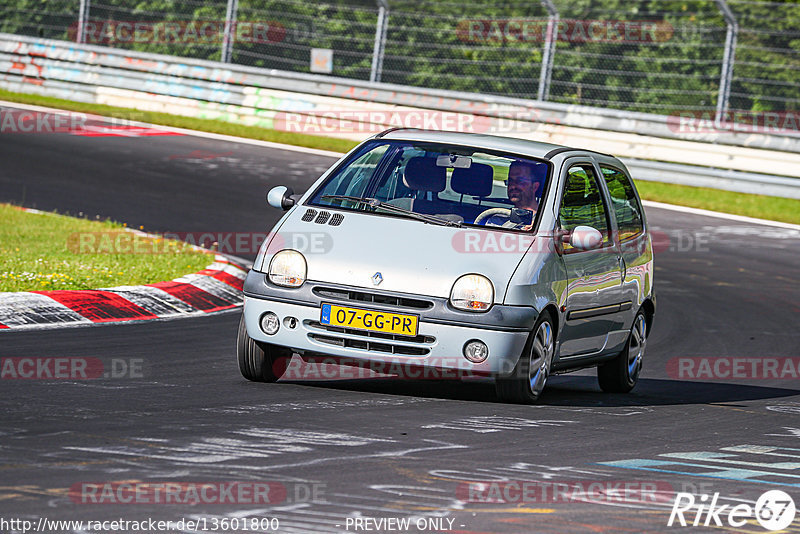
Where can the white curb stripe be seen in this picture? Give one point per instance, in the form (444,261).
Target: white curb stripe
(154,300)
(21,309)
(213,286)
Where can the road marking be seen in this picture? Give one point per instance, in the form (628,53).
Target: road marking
(736,469)
(792,433)
(317,405)
(493,423)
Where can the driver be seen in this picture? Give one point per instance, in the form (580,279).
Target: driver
(522,188)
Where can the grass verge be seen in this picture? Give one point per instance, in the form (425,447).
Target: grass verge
(49,251)
(760,206)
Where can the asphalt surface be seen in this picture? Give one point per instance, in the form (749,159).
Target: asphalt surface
(175,408)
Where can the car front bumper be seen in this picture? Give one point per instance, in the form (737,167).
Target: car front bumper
(443,331)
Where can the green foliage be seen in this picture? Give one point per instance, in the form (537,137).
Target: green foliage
(430,44)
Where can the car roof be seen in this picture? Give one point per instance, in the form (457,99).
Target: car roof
(493,142)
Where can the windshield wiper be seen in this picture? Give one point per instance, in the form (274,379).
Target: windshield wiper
(375,203)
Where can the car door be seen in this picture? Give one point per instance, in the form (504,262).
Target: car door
(635,251)
(594,277)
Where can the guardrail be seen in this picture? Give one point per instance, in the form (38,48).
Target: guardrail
(346,108)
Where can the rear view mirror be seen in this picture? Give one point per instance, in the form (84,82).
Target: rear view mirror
(281,197)
(454,160)
(584,238)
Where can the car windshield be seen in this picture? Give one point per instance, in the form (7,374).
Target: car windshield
(438,183)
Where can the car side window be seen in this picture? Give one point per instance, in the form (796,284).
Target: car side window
(392,186)
(624,202)
(354,180)
(582,203)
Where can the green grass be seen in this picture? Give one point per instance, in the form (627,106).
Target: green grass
(760,206)
(50,251)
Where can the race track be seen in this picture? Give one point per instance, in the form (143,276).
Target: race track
(378,448)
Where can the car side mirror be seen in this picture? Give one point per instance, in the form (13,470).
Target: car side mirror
(281,197)
(583,238)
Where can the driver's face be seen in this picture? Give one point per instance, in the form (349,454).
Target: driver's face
(521,187)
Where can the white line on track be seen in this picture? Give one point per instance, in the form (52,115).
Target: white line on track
(719,215)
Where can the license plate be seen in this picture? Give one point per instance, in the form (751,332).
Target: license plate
(371,320)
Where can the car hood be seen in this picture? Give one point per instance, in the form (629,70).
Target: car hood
(411,256)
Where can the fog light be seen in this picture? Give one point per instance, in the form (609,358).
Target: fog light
(270,323)
(476,351)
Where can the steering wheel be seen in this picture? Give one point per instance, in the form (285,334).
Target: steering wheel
(492,211)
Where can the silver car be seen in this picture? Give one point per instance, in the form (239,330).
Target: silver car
(458,254)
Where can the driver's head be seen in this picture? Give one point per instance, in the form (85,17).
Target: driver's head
(522,185)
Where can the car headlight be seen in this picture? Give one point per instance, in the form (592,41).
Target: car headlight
(472,292)
(288,268)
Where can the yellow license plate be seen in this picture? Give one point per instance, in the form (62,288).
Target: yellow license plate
(374,321)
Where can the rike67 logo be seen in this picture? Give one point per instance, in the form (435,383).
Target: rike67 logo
(774,510)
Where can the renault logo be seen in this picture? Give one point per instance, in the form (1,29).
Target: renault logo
(377,278)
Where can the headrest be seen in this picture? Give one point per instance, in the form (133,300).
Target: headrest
(475,181)
(422,174)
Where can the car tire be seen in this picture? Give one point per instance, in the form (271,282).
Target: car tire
(527,381)
(621,374)
(259,362)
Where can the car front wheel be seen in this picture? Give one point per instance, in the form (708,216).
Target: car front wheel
(526,383)
(259,362)
(621,374)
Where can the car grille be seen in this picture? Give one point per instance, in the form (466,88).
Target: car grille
(370,341)
(373,298)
